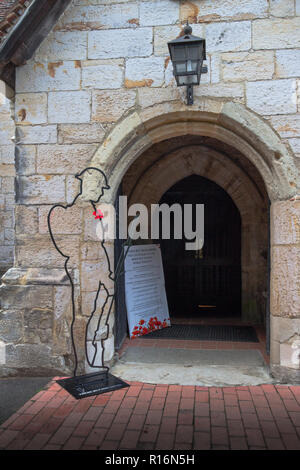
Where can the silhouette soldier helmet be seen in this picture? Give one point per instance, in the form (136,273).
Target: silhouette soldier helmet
(95,182)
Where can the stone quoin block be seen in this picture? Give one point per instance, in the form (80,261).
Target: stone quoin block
(9,236)
(93,272)
(288,63)
(279,33)
(8,182)
(71,45)
(6,171)
(7,219)
(39,251)
(286,125)
(147,71)
(62,300)
(69,107)
(7,153)
(40,189)
(33,356)
(103,74)
(63,221)
(37,134)
(31,108)
(295,144)
(285,281)
(38,326)
(90,251)
(82,133)
(285,223)
(247,66)
(64,159)
(282,329)
(223,37)
(25,159)
(48,76)
(148,96)
(29,296)
(97,16)
(160,12)
(206,10)
(7,129)
(120,43)
(26,219)
(11,326)
(229,90)
(90,275)
(6,255)
(108,106)
(272,96)
(87,302)
(282,8)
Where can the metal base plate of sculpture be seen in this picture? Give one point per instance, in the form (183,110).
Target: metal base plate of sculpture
(87,385)
(81,386)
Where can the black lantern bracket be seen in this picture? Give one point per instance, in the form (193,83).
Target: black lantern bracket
(187,54)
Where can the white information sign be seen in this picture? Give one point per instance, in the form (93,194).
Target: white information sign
(146,300)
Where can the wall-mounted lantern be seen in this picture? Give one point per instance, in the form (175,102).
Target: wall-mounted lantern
(187,54)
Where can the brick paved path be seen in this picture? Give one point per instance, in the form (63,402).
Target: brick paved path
(161,417)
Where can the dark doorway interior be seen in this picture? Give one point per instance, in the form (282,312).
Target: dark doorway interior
(207,282)
(121,329)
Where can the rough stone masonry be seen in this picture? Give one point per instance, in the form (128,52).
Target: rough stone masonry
(99,90)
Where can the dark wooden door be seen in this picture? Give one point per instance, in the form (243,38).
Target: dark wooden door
(206,282)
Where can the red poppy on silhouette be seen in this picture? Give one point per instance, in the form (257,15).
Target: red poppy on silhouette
(98,214)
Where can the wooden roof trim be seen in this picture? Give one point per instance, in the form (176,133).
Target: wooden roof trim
(27,34)
(13,15)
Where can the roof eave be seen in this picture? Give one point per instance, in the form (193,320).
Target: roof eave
(27,34)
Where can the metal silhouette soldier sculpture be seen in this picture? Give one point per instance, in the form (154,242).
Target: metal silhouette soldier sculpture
(93,182)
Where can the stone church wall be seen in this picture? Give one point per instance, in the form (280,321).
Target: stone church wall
(103,62)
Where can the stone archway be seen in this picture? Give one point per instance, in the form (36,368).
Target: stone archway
(228,122)
(232,124)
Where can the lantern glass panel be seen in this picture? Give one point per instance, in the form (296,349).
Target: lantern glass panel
(195,52)
(179,52)
(187,80)
(180,67)
(192,66)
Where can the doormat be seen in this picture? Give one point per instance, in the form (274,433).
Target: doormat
(206,333)
(83,386)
